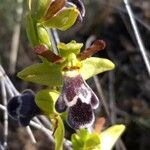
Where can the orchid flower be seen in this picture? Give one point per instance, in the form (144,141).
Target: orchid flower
(23,107)
(70,68)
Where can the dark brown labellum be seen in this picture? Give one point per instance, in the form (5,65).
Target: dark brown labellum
(79,100)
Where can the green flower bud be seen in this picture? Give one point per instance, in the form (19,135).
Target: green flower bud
(37,34)
(43,36)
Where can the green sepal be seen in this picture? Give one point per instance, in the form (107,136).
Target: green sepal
(45,100)
(71,47)
(63,20)
(93,66)
(43,36)
(42,73)
(110,136)
(38,8)
(59,133)
(83,140)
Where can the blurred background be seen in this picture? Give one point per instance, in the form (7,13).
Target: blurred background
(125,90)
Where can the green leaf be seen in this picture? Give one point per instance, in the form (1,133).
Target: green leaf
(92,66)
(42,73)
(45,100)
(71,47)
(63,20)
(39,7)
(110,136)
(59,134)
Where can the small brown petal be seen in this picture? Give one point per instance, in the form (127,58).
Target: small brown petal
(95,47)
(49,55)
(54,7)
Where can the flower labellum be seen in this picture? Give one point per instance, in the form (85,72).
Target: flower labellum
(78,99)
(23,107)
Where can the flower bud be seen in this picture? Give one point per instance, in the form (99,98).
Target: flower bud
(37,34)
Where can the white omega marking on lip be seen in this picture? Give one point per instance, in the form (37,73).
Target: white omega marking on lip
(73,102)
(84,98)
